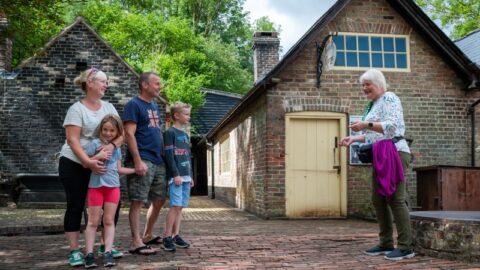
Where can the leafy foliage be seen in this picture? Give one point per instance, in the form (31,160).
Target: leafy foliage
(190,43)
(31,24)
(462,16)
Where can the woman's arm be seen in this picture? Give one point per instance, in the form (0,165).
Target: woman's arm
(73,140)
(351,139)
(113,145)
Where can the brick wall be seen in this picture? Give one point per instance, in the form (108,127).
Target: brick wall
(435,105)
(265,53)
(33,105)
(244,186)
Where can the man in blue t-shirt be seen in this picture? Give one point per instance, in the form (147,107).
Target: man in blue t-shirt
(142,122)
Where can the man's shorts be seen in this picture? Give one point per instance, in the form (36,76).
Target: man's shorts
(150,187)
(179,195)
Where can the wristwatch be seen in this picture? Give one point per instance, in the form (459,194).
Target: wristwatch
(370,125)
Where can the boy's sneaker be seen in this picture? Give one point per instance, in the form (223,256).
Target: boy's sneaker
(90,261)
(377,250)
(116,253)
(108,259)
(399,254)
(168,244)
(76,258)
(179,242)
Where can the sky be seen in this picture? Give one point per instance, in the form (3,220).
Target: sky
(295,17)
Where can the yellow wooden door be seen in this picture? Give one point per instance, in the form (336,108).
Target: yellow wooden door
(315,165)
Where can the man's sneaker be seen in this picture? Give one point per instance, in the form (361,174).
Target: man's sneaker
(179,242)
(108,259)
(76,258)
(116,253)
(377,250)
(168,244)
(90,261)
(399,254)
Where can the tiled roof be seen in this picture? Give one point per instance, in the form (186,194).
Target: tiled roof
(217,104)
(470,45)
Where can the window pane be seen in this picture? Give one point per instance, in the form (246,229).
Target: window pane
(389,60)
(351,43)
(376,44)
(340,59)
(388,44)
(364,59)
(352,59)
(400,45)
(363,43)
(338,40)
(401,60)
(377,60)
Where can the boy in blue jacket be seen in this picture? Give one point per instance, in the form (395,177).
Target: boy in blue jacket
(179,173)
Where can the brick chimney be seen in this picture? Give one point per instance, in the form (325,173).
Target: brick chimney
(265,53)
(5,45)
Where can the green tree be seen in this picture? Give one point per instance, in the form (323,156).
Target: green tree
(265,24)
(31,24)
(185,60)
(462,16)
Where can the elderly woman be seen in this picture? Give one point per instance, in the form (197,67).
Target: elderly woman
(383,119)
(75,166)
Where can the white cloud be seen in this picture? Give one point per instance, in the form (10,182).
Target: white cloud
(294,16)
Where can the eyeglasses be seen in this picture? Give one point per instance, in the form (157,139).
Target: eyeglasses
(92,71)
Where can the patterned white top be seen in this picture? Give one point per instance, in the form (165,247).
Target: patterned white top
(389,112)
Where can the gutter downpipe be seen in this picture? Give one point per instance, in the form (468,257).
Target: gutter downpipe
(471,112)
(212,151)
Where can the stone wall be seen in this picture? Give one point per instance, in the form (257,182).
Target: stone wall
(33,106)
(448,238)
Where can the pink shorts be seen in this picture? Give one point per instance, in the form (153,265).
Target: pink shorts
(99,196)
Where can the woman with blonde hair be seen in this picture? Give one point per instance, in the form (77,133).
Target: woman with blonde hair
(75,166)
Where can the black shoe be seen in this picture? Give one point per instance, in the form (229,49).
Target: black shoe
(377,250)
(108,259)
(399,254)
(179,242)
(90,261)
(168,244)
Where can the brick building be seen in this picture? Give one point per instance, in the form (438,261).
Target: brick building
(275,153)
(35,97)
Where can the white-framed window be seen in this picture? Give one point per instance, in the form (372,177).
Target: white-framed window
(225,155)
(386,52)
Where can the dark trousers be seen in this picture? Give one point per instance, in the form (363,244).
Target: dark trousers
(74,178)
(394,209)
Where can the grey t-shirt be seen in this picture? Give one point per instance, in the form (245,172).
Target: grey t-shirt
(111,177)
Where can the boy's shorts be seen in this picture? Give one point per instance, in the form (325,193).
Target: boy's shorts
(150,187)
(179,195)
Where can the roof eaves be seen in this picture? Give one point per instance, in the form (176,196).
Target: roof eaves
(81,20)
(468,35)
(222,93)
(261,85)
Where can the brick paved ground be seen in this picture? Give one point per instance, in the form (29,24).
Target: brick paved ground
(222,238)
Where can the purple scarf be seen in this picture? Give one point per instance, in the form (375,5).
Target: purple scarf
(387,167)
